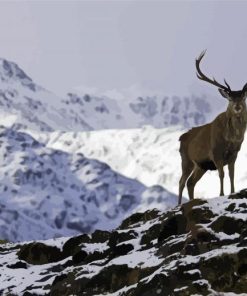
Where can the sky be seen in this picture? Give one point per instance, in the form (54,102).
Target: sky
(115,45)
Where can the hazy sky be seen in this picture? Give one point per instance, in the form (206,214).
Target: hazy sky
(117,44)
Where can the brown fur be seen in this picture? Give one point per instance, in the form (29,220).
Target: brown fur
(216,144)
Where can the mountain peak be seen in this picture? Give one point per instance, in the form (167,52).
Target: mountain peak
(10,71)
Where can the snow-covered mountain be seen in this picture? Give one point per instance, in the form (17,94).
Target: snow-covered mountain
(59,178)
(49,186)
(26,105)
(149,155)
(46,192)
(196,249)
(158,111)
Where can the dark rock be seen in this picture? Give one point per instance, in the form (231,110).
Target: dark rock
(39,253)
(121,250)
(239,195)
(190,250)
(152,233)
(228,225)
(139,217)
(160,284)
(220,271)
(100,236)
(18,264)
(174,225)
(79,257)
(96,255)
(26,293)
(111,279)
(64,284)
(231,207)
(119,237)
(200,215)
(72,245)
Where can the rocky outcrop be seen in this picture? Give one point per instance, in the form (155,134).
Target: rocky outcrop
(198,248)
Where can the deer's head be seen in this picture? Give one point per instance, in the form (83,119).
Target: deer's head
(236,99)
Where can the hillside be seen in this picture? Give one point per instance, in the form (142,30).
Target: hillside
(199,248)
(46,193)
(149,155)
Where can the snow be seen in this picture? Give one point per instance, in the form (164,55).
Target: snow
(193,271)
(149,155)
(46,192)
(94,247)
(144,258)
(63,175)
(22,278)
(29,106)
(137,257)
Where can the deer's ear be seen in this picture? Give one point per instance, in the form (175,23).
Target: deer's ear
(224,93)
(245,91)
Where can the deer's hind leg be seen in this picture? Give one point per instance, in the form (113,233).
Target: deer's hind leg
(187,168)
(193,179)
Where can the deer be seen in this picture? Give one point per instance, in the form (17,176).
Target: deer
(215,144)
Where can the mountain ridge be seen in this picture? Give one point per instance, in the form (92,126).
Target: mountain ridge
(47,192)
(32,106)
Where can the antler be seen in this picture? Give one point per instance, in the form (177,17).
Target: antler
(201,76)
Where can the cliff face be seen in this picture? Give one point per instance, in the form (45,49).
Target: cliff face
(199,248)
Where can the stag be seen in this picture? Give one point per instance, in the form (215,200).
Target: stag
(216,144)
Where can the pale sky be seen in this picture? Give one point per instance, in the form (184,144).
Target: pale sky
(116,44)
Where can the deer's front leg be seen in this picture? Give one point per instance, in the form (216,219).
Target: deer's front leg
(231,174)
(220,167)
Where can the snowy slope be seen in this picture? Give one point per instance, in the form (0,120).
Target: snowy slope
(159,111)
(45,192)
(26,105)
(196,249)
(148,155)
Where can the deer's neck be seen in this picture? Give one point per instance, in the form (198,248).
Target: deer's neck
(235,126)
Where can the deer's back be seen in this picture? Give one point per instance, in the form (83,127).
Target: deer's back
(193,134)
(186,137)
(194,144)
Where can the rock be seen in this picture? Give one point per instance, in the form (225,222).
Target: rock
(100,236)
(39,253)
(79,257)
(199,248)
(174,225)
(139,217)
(72,245)
(119,237)
(18,264)
(228,225)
